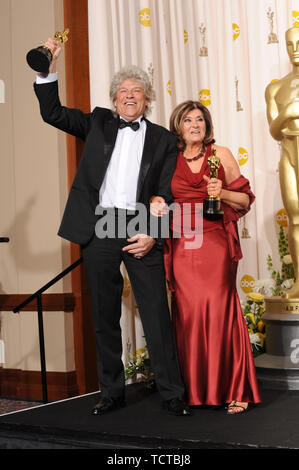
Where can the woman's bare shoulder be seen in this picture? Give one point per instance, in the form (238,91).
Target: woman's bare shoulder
(230,164)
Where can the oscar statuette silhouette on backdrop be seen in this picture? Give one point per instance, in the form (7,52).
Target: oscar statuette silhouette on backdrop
(278,367)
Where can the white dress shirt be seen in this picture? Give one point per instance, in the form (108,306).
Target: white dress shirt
(119,187)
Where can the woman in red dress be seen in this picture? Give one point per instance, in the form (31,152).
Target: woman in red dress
(212,339)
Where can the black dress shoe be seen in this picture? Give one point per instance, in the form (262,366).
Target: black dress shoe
(107,404)
(177,407)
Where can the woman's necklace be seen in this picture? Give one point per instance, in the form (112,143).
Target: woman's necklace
(197,157)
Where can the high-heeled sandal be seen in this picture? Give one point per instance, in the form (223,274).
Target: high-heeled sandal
(235,404)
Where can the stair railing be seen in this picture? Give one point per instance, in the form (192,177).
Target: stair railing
(38,296)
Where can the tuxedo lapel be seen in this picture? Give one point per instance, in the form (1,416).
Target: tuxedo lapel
(110,134)
(101,146)
(150,143)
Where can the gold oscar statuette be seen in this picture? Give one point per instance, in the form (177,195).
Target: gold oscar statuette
(40,58)
(211,205)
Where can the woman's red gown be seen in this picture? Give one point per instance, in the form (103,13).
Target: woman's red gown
(212,339)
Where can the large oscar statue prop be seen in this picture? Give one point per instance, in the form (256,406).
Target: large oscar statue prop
(279,366)
(40,58)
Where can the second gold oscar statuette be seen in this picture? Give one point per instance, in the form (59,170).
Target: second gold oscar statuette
(40,58)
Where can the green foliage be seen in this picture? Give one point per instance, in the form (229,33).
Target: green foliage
(139,364)
(285,276)
(253,311)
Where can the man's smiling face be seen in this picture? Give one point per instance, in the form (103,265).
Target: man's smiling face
(130,102)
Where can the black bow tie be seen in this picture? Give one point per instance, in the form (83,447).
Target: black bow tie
(133,124)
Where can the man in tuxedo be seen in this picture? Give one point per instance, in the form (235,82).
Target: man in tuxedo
(126,160)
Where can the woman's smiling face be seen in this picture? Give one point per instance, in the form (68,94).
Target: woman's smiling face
(193,127)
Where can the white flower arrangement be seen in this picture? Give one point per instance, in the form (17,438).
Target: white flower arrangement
(281,281)
(264,286)
(287,259)
(255,339)
(287,284)
(284,278)
(253,311)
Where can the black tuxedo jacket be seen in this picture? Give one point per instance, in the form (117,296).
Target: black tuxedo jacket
(99,130)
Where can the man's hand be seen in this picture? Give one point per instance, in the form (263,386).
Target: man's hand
(143,244)
(55,47)
(158,207)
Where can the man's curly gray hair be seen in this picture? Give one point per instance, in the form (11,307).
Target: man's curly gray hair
(133,73)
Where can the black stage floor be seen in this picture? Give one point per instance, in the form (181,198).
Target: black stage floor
(142,424)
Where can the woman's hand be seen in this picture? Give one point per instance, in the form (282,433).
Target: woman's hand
(214,186)
(158,207)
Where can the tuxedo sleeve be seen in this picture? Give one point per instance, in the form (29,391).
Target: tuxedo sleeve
(72,121)
(163,187)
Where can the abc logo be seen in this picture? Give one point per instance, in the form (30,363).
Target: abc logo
(204,96)
(127,287)
(247,283)
(168,87)
(145,17)
(236,31)
(282,218)
(242,156)
(295,15)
